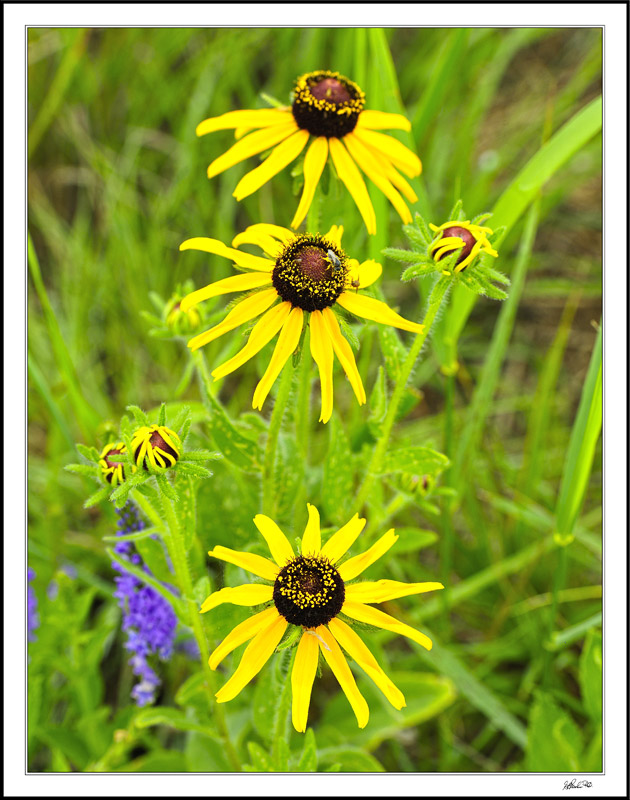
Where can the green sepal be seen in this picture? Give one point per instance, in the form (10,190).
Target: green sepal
(97,497)
(91,453)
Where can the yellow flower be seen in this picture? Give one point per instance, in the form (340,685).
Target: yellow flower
(308,273)
(156,444)
(310,590)
(457,233)
(329,107)
(112,471)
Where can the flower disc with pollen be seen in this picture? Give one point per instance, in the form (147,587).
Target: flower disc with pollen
(310,273)
(309,591)
(327,104)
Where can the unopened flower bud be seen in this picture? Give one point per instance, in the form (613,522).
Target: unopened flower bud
(156,445)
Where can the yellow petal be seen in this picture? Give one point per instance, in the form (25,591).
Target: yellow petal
(394,176)
(302,677)
(277,231)
(341,541)
(364,274)
(355,566)
(334,235)
(314,163)
(252,144)
(257,118)
(247,309)
(338,664)
(262,332)
(312,538)
(373,616)
(286,344)
(377,120)
(249,594)
(279,546)
(370,166)
(358,650)
(242,633)
(236,283)
(258,565)
(369,308)
(254,658)
(384,590)
(351,177)
(396,152)
(322,352)
(218,248)
(286,152)
(270,246)
(345,355)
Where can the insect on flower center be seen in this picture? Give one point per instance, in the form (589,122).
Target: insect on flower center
(327,104)
(310,273)
(465,235)
(309,591)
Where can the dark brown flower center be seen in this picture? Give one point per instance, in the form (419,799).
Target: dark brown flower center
(465,235)
(309,591)
(310,273)
(327,104)
(332,90)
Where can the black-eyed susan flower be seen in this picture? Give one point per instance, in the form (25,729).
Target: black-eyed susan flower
(155,445)
(330,108)
(456,234)
(310,590)
(112,471)
(308,274)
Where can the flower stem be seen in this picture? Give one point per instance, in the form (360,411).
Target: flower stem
(392,411)
(284,391)
(177,552)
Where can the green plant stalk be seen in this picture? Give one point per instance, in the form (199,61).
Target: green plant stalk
(177,552)
(392,410)
(281,720)
(284,392)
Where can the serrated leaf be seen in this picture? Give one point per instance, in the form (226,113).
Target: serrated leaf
(441,287)
(406,256)
(415,460)
(237,448)
(281,756)
(162,415)
(83,469)
(457,212)
(138,414)
(97,497)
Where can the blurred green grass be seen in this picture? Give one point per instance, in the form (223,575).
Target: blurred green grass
(117,181)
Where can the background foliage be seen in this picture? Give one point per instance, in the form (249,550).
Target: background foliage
(509,392)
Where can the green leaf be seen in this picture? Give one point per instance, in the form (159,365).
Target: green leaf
(193,686)
(139,415)
(172,718)
(393,351)
(413,539)
(264,703)
(83,469)
(308,758)
(69,742)
(415,460)
(91,453)
(152,552)
(97,497)
(377,404)
(157,761)
(338,481)
(554,742)
(281,756)
(261,760)
(162,415)
(237,448)
(350,759)
(419,271)
(590,674)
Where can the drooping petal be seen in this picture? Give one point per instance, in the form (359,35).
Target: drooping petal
(283,154)
(247,309)
(358,650)
(286,344)
(322,352)
(392,174)
(384,590)
(302,677)
(216,247)
(373,616)
(363,275)
(396,152)
(334,234)
(252,144)
(341,541)
(370,166)
(278,544)
(338,664)
(249,594)
(314,163)
(262,332)
(235,283)
(312,538)
(376,310)
(355,566)
(243,632)
(351,177)
(344,353)
(258,565)
(379,120)
(254,658)
(257,118)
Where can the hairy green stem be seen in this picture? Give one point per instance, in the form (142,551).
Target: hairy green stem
(275,423)
(392,410)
